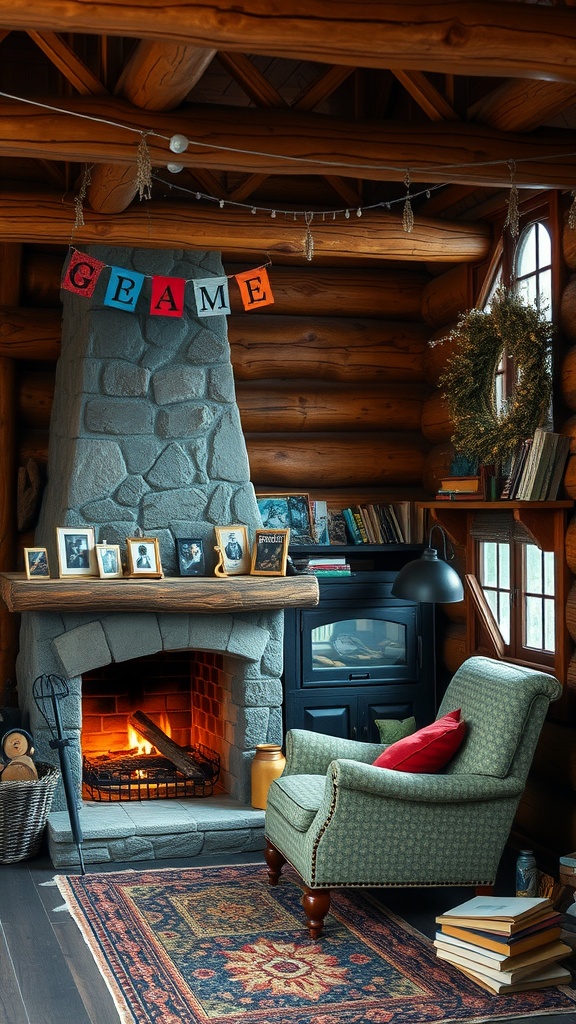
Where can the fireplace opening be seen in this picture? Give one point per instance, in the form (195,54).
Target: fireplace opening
(152,727)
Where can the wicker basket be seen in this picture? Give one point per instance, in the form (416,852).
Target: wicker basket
(24,809)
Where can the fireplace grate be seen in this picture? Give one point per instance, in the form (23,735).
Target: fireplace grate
(132,776)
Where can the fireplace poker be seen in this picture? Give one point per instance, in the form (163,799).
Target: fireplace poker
(48,691)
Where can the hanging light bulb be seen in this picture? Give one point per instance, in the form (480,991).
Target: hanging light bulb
(174,168)
(179,143)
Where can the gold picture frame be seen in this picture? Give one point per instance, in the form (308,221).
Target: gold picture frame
(76,554)
(270,553)
(36,564)
(144,558)
(233,549)
(109,561)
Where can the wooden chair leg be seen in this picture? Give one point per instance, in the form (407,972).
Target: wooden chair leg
(275,861)
(316,903)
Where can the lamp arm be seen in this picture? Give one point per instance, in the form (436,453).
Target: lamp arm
(448,557)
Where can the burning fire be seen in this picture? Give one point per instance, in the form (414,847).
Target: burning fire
(140,746)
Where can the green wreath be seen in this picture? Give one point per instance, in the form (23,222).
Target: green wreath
(480,431)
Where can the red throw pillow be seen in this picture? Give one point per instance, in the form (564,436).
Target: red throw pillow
(427,750)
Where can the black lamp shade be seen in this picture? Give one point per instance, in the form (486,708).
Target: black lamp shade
(428,578)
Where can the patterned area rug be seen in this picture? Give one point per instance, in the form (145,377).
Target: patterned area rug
(218,945)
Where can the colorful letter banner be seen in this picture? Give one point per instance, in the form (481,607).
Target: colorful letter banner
(167,293)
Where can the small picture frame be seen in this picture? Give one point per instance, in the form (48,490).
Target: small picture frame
(144,557)
(232,544)
(36,563)
(190,552)
(288,512)
(109,561)
(76,554)
(270,552)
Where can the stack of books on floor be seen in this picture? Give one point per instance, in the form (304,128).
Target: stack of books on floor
(505,944)
(331,565)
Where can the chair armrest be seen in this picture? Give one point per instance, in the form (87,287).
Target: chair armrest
(428,788)
(310,753)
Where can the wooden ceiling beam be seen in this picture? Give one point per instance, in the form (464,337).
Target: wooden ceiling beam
(521,106)
(69,64)
(157,77)
(289,143)
(251,80)
(486,38)
(432,102)
(41,217)
(321,88)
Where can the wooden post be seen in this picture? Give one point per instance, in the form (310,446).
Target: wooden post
(9,624)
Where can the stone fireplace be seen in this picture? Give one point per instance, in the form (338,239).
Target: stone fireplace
(145,436)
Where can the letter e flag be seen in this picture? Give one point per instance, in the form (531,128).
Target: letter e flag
(123,289)
(82,274)
(167,296)
(255,288)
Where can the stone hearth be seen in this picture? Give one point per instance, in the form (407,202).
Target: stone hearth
(145,436)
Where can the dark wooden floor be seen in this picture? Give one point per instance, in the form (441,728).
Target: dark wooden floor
(47,975)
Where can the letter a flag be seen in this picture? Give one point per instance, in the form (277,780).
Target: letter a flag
(167,296)
(255,288)
(123,289)
(212,297)
(82,274)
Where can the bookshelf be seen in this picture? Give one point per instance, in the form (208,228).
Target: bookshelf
(546,530)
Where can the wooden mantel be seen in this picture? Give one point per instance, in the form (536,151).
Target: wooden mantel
(203,595)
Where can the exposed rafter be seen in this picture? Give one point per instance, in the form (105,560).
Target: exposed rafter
(459,37)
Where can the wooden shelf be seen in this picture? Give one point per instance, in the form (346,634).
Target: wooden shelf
(533,515)
(171,594)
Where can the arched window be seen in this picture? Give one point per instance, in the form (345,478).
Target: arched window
(518,578)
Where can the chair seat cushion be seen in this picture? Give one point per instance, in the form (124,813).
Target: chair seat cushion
(297,798)
(427,750)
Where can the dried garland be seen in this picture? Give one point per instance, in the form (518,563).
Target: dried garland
(480,431)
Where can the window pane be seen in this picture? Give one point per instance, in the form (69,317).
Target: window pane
(546,293)
(527,252)
(533,610)
(503,617)
(533,567)
(489,571)
(544,246)
(549,626)
(504,560)
(549,573)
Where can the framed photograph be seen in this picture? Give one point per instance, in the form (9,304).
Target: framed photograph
(36,563)
(270,553)
(190,552)
(76,554)
(109,562)
(144,557)
(232,542)
(288,512)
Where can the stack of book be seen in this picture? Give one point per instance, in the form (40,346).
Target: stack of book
(460,488)
(379,524)
(538,467)
(505,944)
(332,565)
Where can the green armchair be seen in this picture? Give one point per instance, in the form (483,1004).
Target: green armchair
(340,821)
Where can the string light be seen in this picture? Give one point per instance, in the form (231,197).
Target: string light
(407,214)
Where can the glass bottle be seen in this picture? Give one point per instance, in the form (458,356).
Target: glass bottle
(268,764)
(526,874)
